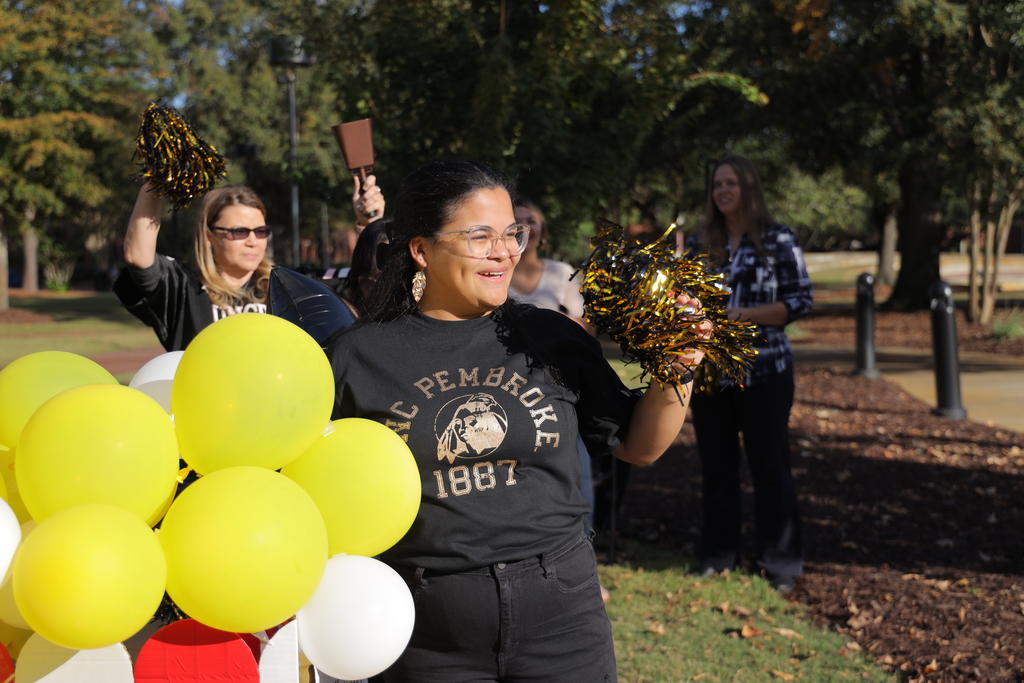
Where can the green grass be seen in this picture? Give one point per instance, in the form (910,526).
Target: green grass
(794,331)
(629,373)
(669,626)
(1009,325)
(87,325)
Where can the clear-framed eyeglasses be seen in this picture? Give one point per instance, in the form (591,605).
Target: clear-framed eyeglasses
(481,241)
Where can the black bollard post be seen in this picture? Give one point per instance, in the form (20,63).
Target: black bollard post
(866,327)
(946,356)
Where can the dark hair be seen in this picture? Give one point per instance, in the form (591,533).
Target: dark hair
(426,202)
(528,204)
(752,205)
(365,261)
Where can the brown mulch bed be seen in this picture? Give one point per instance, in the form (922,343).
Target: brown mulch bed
(19,316)
(835,325)
(913,527)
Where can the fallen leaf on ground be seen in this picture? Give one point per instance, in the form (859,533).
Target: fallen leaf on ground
(749,631)
(788,633)
(657,628)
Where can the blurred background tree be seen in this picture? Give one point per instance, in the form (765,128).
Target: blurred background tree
(879,123)
(70,85)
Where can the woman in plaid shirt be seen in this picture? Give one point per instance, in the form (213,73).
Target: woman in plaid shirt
(770,287)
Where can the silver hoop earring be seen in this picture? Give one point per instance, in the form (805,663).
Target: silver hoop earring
(419,281)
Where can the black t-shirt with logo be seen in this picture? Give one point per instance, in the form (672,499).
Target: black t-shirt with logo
(172,301)
(491,408)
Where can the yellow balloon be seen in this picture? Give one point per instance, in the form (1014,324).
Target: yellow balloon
(9,612)
(98,444)
(6,455)
(251,389)
(245,547)
(32,380)
(89,576)
(364,479)
(13,497)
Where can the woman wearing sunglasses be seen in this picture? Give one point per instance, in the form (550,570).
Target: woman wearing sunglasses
(232,268)
(490,396)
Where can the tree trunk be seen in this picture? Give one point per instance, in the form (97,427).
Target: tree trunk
(30,251)
(999,240)
(920,236)
(887,249)
(988,274)
(974,257)
(5,297)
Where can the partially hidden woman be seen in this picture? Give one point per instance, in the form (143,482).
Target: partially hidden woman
(490,396)
(231,273)
(544,282)
(764,266)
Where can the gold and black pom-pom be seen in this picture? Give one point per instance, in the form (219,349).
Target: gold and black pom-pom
(629,291)
(174,159)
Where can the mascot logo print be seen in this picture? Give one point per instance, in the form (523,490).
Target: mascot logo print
(470,426)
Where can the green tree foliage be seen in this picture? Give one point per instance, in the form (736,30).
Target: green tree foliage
(904,95)
(574,99)
(228,88)
(68,80)
(825,211)
(985,141)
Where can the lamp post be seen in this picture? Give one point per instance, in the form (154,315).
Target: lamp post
(289,54)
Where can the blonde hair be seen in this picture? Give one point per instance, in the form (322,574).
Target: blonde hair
(218,290)
(753,210)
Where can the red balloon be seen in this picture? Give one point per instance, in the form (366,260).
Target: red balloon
(189,652)
(6,665)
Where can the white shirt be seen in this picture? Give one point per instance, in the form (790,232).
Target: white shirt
(554,291)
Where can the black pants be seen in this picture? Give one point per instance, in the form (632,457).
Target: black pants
(761,413)
(539,619)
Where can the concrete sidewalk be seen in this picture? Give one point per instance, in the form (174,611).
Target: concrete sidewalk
(991,386)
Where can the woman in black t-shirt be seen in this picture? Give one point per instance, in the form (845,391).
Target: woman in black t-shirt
(490,396)
(232,267)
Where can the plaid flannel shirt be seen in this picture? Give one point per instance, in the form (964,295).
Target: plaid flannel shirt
(779,275)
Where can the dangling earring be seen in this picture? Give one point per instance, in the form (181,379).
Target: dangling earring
(419,281)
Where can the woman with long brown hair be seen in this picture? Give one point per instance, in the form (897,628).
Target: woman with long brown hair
(232,269)
(764,266)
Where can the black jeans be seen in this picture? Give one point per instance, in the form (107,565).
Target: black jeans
(761,413)
(538,619)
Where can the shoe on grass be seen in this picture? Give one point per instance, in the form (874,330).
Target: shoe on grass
(783,583)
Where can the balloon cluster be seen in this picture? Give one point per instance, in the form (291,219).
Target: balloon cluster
(174,159)
(242,549)
(629,291)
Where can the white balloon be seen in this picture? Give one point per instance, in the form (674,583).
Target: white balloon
(10,536)
(41,660)
(155,377)
(358,621)
(279,661)
(9,612)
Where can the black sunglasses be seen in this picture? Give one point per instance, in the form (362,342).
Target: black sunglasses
(262,232)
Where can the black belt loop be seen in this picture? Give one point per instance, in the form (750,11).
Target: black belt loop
(417,577)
